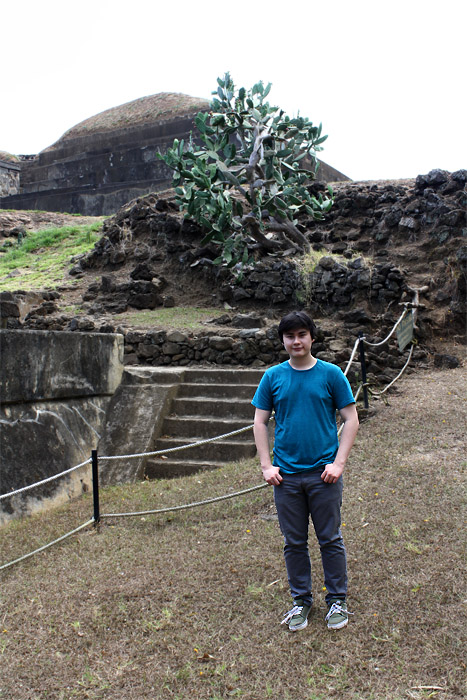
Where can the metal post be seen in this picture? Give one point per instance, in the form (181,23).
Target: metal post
(363,366)
(95,486)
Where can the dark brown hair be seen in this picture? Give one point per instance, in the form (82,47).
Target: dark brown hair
(295,320)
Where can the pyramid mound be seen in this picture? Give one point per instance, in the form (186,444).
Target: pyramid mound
(109,159)
(8,157)
(143,111)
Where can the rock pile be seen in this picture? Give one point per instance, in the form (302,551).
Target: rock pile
(337,284)
(274,282)
(260,346)
(20,307)
(366,214)
(143,291)
(380,243)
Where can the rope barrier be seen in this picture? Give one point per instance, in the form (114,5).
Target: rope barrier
(354,352)
(379,393)
(44,481)
(46,546)
(375,345)
(356,345)
(358,392)
(186,505)
(184,447)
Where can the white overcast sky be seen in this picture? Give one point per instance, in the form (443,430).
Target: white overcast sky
(387,78)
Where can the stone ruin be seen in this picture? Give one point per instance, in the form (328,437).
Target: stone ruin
(10,169)
(107,160)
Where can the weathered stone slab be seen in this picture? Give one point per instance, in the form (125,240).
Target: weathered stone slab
(39,440)
(47,365)
(134,421)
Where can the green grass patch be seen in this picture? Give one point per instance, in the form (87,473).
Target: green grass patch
(182,318)
(40,211)
(42,257)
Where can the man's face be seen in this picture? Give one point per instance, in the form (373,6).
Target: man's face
(298,342)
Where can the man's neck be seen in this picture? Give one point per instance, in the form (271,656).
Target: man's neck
(306,362)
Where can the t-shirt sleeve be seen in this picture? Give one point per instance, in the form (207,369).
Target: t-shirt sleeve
(342,391)
(263,395)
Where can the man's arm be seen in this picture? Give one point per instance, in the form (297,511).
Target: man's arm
(260,431)
(333,471)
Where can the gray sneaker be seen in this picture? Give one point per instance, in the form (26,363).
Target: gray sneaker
(338,615)
(297,617)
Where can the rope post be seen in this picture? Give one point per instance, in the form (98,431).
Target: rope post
(95,486)
(363,366)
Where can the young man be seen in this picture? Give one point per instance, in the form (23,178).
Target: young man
(306,472)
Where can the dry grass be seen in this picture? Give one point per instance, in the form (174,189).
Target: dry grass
(187,605)
(144,110)
(8,157)
(181,318)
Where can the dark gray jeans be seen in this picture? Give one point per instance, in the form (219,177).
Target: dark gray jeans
(297,497)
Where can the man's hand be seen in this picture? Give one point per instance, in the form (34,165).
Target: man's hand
(260,430)
(271,475)
(332,472)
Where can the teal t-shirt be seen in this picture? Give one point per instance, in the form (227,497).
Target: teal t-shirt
(305,404)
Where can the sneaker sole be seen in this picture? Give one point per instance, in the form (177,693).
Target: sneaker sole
(296,628)
(339,626)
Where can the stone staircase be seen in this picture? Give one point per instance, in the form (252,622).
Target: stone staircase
(208,403)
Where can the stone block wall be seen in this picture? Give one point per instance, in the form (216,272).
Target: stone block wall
(42,366)
(9,178)
(55,391)
(98,173)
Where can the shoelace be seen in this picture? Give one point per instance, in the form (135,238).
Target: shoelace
(296,610)
(337,608)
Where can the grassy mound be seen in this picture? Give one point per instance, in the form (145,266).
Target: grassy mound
(42,258)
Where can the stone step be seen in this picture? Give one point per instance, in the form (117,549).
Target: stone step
(221,408)
(222,451)
(232,391)
(152,375)
(223,375)
(157,468)
(201,428)
(206,403)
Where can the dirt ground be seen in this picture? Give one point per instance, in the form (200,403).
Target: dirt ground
(38,220)
(189,603)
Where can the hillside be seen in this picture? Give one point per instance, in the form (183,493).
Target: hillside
(384,243)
